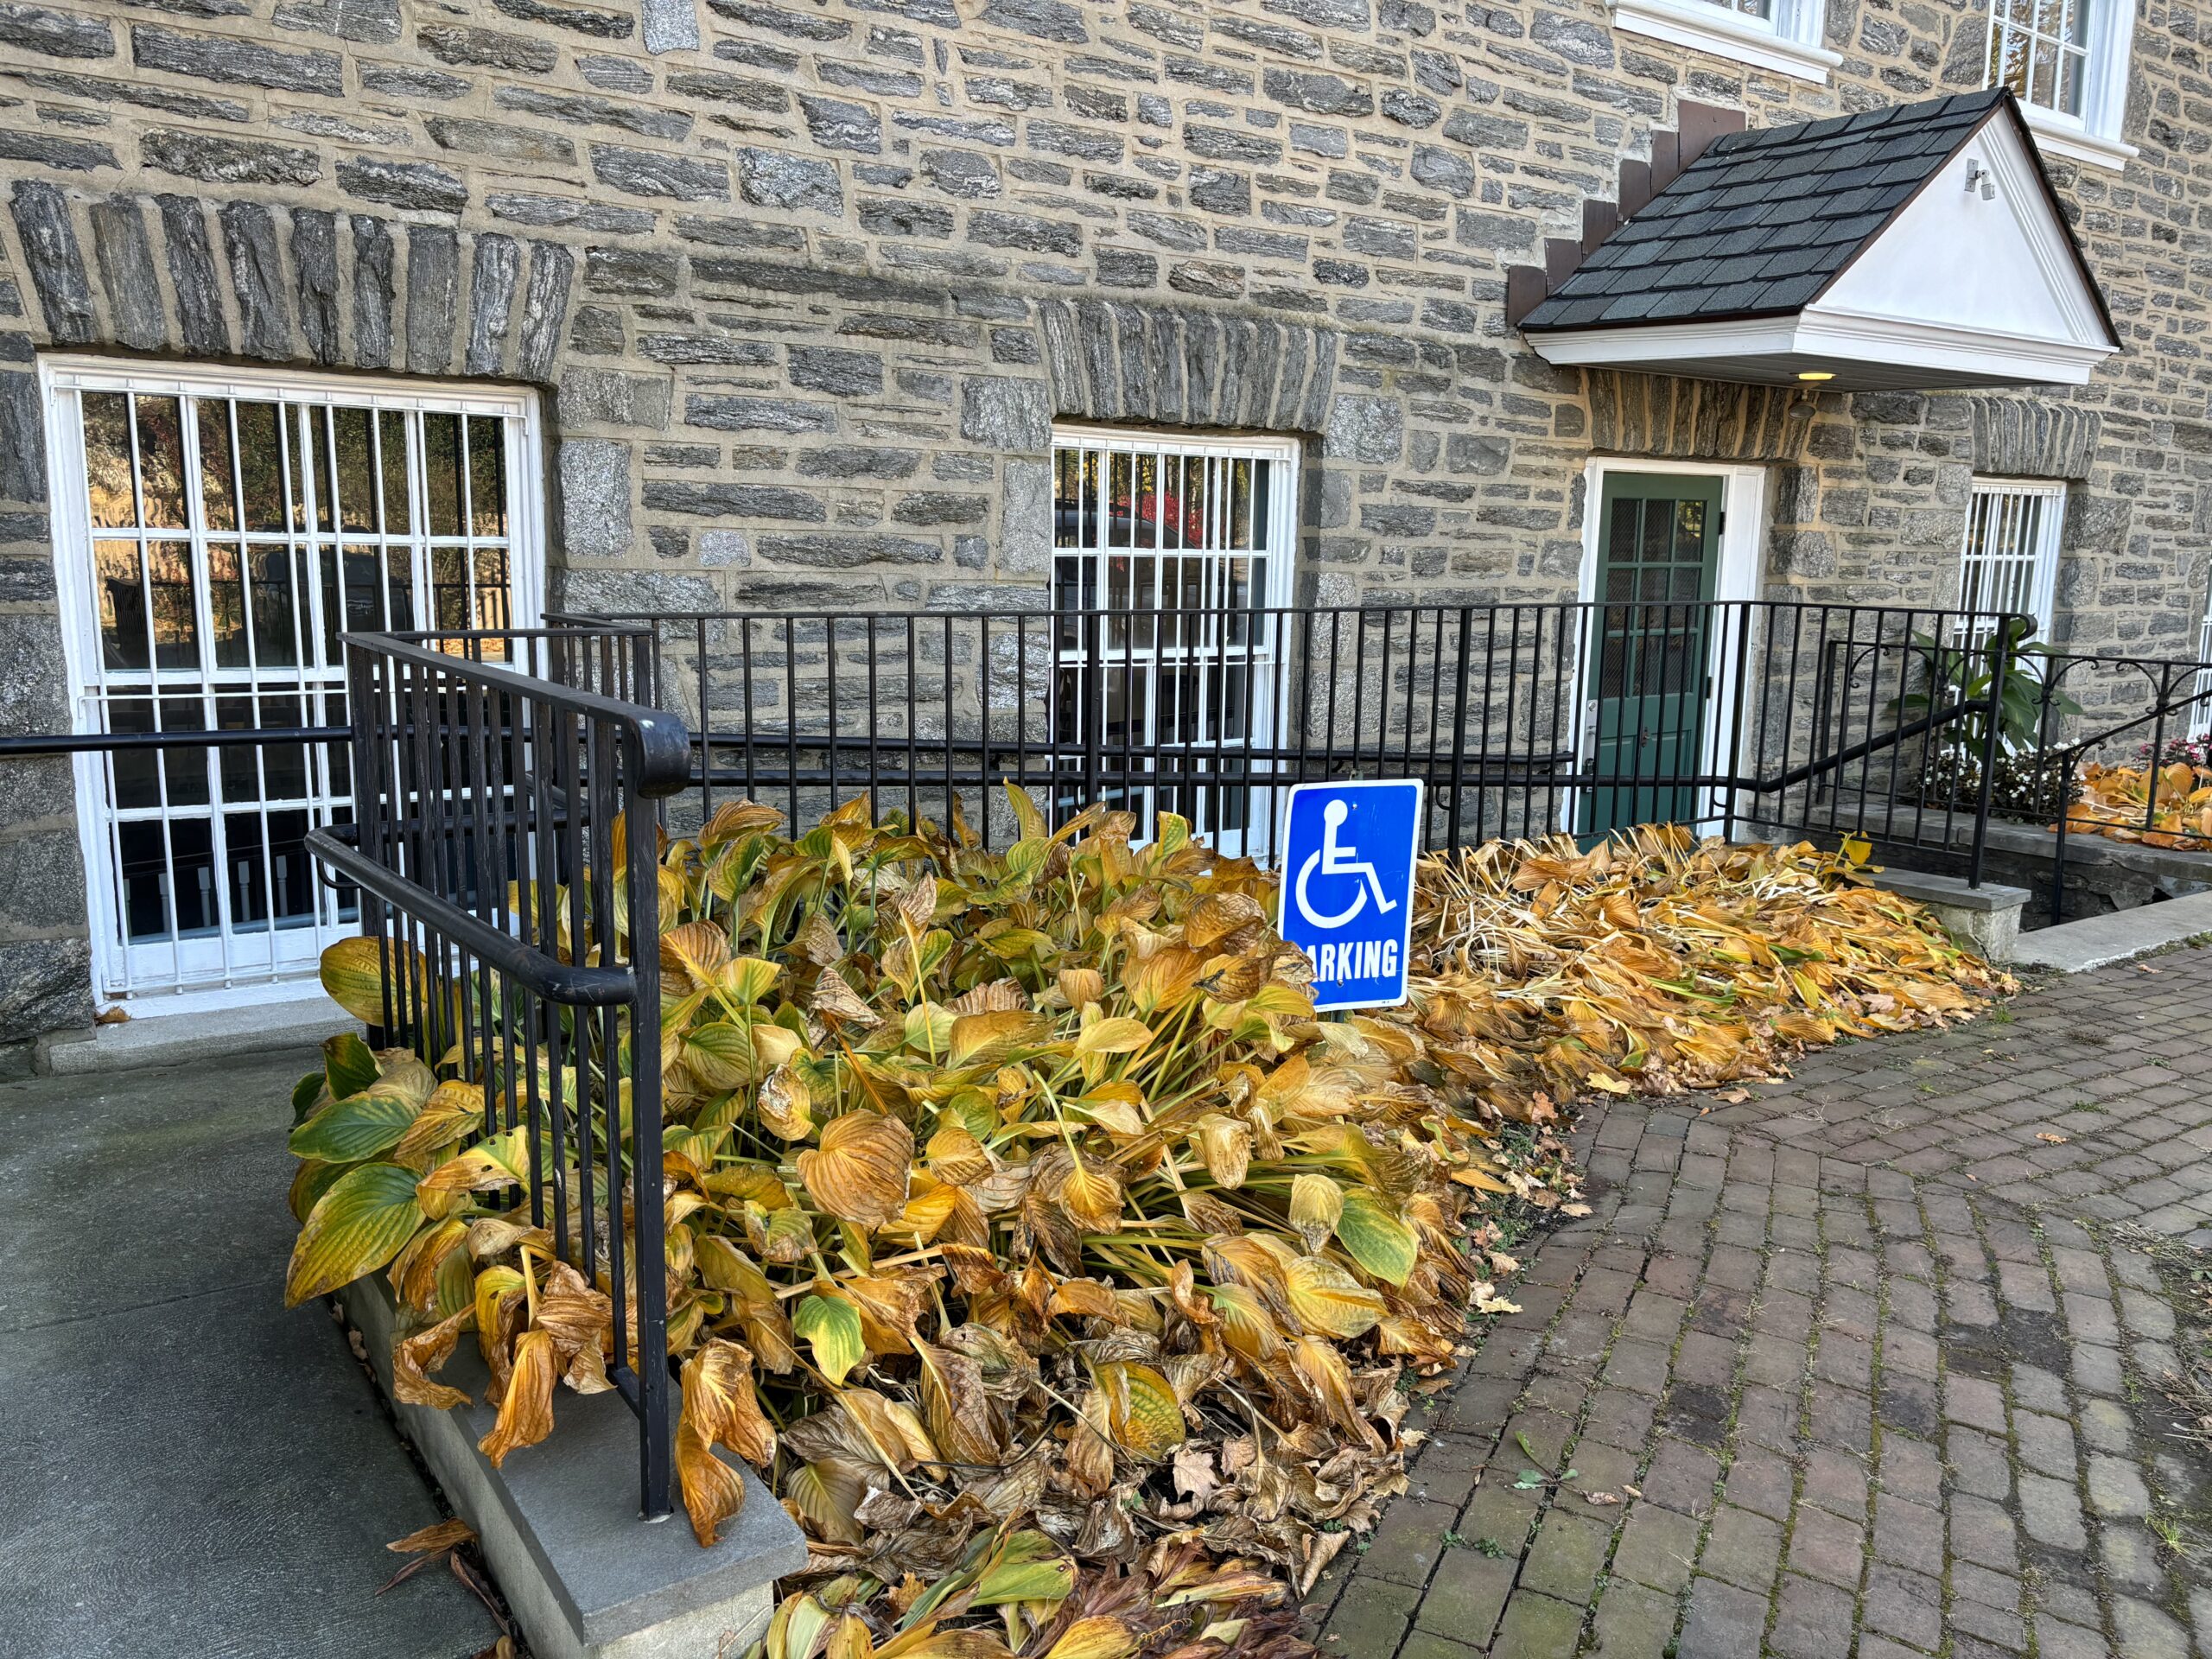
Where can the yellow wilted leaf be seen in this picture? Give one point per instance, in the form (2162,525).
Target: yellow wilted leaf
(1316,1201)
(1246,1325)
(859,1175)
(416,1357)
(1117,1034)
(984,1038)
(691,957)
(526,1410)
(1226,1146)
(719,1406)
(784,1102)
(1323,1370)
(1091,1195)
(1100,1636)
(1328,1300)
(1141,1409)
(353,973)
(826,1493)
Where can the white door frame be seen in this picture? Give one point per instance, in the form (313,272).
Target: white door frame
(62,377)
(1743,533)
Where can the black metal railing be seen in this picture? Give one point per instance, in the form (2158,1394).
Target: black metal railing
(503,841)
(1750,717)
(2142,713)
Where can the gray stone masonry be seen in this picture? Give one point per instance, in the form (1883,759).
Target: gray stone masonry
(1870,1363)
(792,274)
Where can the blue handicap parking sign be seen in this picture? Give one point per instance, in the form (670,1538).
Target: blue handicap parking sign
(1348,886)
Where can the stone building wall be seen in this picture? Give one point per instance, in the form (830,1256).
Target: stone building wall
(804,282)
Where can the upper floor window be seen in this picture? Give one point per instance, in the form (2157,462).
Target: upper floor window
(1782,35)
(2066,61)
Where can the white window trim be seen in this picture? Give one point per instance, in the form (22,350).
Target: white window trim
(2042,583)
(1794,48)
(2201,723)
(1266,646)
(1735,576)
(61,378)
(2094,138)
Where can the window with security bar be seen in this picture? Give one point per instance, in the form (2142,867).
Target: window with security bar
(2200,713)
(1168,553)
(2010,562)
(216,537)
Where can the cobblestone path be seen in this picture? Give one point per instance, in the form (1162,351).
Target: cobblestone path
(1871,1362)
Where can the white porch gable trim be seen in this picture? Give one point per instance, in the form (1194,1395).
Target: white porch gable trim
(1974,282)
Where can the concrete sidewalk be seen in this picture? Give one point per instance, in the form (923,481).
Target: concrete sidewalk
(189,1469)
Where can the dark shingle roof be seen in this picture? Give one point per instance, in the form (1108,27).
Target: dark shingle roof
(1764,220)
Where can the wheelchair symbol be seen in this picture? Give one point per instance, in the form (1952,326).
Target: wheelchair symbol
(1334,859)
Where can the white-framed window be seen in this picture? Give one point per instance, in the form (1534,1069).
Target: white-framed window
(1172,556)
(2200,724)
(215,532)
(2066,61)
(1782,35)
(2010,562)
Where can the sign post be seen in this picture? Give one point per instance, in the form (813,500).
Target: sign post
(1348,886)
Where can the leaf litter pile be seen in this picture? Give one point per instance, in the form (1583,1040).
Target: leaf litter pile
(1064,1276)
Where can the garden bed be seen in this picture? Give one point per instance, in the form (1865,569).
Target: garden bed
(1063,1274)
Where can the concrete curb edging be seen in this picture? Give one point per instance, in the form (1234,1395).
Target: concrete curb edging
(1985,919)
(2099,941)
(586,1577)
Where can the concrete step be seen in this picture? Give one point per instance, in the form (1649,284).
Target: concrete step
(172,1037)
(2098,941)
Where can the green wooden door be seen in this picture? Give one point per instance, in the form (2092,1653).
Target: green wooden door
(1658,547)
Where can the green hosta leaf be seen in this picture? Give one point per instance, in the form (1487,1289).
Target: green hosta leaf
(1380,1242)
(1029,1568)
(928,1027)
(747,979)
(305,1093)
(347,1065)
(1025,860)
(831,1327)
(359,1225)
(721,1055)
(347,1131)
(1174,830)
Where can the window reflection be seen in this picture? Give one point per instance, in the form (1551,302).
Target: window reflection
(235,542)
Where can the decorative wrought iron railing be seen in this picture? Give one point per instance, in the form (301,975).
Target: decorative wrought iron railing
(499,783)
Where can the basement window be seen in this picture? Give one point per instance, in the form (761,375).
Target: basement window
(2011,559)
(2066,61)
(1782,35)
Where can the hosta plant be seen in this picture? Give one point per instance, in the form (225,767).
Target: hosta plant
(1008,1192)
(1057,1269)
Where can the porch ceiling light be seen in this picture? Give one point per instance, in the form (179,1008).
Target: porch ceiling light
(1864,253)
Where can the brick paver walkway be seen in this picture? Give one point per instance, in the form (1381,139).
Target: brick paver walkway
(1871,1362)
